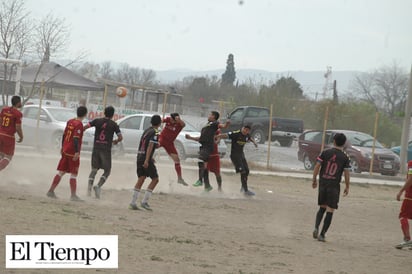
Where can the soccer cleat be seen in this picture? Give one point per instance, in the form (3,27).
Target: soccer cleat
(133,207)
(51,194)
(75,198)
(321,238)
(406,243)
(242,190)
(198,183)
(97,190)
(208,189)
(315,233)
(146,206)
(219,189)
(249,193)
(181,181)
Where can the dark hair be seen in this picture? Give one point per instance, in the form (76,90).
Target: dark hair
(173,115)
(109,112)
(15,100)
(215,114)
(340,139)
(247,126)
(81,111)
(156,120)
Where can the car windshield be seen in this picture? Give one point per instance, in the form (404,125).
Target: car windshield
(61,114)
(362,140)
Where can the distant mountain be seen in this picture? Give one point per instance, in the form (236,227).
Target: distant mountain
(312,81)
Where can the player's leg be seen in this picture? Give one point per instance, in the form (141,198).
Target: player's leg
(7,151)
(56,180)
(332,200)
(404,216)
(74,170)
(106,164)
(219,181)
(141,176)
(152,173)
(244,177)
(5,160)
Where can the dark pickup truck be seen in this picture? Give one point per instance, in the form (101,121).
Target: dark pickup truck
(284,130)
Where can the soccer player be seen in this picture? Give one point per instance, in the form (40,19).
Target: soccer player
(239,138)
(145,163)
(206,140)
(330,165)
(213,164)
(102,148)
(172,127)
(10,123)
(70,154)
(406,209)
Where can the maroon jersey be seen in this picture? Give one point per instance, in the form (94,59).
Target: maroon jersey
(170,130)
(74,129)
(9,118)
(408,191)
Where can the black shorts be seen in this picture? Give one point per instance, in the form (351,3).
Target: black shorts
(150,171)
(205,151)
(102,159)
(329,194)
(239,161)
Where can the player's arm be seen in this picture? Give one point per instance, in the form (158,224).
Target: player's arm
(225,125)
(407,184)
(222,136)
(76,143)
(346,174)
(315,174)
(148,154)
(19,131)
(253,141)
(180,121)
(187,136)
(119,138)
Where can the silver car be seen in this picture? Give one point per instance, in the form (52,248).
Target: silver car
(45,129)
(132,128)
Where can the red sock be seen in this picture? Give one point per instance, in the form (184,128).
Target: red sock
(56,181)
(3,163)
(405,228)
(73,184)
(178,170)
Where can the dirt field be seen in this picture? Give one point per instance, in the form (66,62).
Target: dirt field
(193,232)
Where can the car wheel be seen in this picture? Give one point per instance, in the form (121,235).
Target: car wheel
(258,136)
(56,141)
(180,150)
(285,142)
(354,165)
(307,163)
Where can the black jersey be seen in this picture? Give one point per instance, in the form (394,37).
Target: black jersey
(333,161)
(103,135)
(238,141)
(207,134)
(150,135)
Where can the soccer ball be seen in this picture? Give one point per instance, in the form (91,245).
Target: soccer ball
(121,92)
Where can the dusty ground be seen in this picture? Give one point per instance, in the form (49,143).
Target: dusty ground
(193,232)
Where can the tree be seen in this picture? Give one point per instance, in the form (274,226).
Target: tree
(386,88)
(15,34)
(228,78)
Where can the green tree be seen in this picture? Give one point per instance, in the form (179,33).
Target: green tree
(228,78)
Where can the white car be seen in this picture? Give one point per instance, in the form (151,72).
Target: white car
(132,128)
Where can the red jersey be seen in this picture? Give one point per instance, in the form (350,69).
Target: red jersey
(9,118)
(408,191)
(74,129)
(170,130)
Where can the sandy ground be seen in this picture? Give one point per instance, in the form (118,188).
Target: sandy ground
(194,232)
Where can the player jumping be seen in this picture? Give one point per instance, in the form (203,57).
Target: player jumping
(406,209)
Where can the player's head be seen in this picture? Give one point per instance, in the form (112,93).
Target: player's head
(16,101)
(174,115)
(213,116)
(339,139)
(81,112)
(245,129)
(156,120)
(109,112)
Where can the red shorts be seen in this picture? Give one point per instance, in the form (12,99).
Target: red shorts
(66,164)
(213,165)
(7,145)
(169,147)
(406,209)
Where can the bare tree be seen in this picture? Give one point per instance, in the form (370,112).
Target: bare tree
(386,88)
(15,34)
(106,70)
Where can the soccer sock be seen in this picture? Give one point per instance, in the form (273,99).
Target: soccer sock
(326,223)
(243,180)
(135,196)
(92,175)
(219,180)
(206,178)
(101,181)
(73,184)
(319,216)
(3,163)
(405,228)
(178,170)
(147,195)
(201,170)
(56,181)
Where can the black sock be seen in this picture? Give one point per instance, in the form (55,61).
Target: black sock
(326,223)
(206,178)
(319,216)
(219,180)
(201,170)
(101,181)
(243,180)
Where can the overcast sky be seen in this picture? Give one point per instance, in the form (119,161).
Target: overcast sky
(274,35)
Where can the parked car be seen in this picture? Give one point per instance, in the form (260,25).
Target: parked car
(358,147)
(132,128)
(397,150)
(51,123)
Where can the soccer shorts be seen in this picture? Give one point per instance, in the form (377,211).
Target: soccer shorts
(68,165)
(150,171)
(102,159)
(329,194)
(7,145)
(240,163)
(406,209)
(213,165)
(169,147)
(205,151)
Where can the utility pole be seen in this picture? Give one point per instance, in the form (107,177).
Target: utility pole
(406,126)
